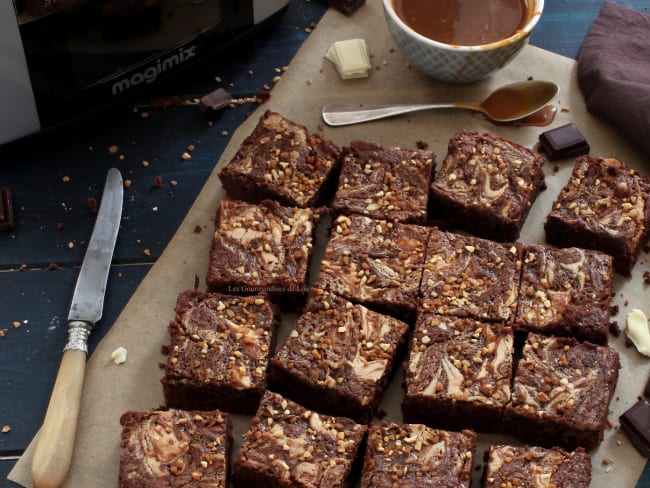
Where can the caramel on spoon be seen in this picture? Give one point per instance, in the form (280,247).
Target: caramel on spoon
(506,104)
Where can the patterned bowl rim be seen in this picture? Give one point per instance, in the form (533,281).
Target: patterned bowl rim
(520,34)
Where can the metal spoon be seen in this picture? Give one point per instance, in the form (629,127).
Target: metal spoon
(506,104)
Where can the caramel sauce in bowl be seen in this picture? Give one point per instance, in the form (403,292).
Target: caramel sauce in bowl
(454,61)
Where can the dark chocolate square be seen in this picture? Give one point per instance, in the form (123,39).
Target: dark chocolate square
(563,142)
(635,422)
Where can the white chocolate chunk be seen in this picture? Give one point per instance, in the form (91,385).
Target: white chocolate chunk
(637,331)
(350,58)
(119,355)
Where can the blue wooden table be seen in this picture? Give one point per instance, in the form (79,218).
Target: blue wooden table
(54,220)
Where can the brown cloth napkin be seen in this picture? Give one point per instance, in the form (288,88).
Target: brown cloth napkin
(614,71)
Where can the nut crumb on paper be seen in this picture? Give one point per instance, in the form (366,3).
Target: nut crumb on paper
(119,355)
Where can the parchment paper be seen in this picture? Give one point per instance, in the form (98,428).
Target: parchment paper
(310,82)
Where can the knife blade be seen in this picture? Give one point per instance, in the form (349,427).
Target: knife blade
(53,453)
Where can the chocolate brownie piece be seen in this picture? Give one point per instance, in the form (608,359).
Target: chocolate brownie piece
(281,160)
(385,182)
(338,358)
(468,276)
(375,263)
(486,185)
(262,248)
(415,456)
(288,446)
(458,373)
(561,392)
(219,351)
(175,448)
(604,206)
(565,292)
(536,466)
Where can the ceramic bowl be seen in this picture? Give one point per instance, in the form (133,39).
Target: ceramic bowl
(459,64)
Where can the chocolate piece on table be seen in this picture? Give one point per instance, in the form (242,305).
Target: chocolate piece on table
(215,100)
(646,390)
(635,422)
(563,142)
(6,209)
(346,6)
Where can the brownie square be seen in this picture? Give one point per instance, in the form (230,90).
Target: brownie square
(219,351)
(605,206)
(561,392)
(458,373)
(288,446)
(565,292)
(175,448)
(531,465)
(385,182)
(467,276)
(375,263)
(486,185)
(414,455)
(281,160)
(262,248)
(338,358)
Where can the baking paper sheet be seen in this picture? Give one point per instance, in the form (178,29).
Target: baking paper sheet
(310,82)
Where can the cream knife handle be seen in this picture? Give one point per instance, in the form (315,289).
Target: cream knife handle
(53,454)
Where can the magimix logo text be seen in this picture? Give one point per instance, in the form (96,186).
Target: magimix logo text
(151,73)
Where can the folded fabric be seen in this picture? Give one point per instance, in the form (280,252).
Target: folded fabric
(614,71)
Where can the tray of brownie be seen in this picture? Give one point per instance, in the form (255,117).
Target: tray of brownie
(427,300)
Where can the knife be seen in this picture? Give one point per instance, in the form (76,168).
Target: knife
(53,454)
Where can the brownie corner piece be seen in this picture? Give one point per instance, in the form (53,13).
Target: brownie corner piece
(339,358)
(486,185)
(290,446)
(458,373)
(529,464)
(561,392)
(605,205)
(414,455)
(175,448)
(565,292)
(219,351)
(263,247)
(282,160)
(383,182)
